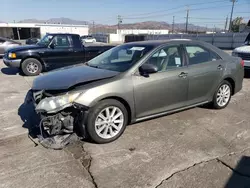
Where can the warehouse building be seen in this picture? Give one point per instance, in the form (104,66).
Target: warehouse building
(21,31)
(122,34)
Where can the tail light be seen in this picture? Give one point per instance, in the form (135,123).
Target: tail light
(242,63)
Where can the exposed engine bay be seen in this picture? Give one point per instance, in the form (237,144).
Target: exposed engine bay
(61,128)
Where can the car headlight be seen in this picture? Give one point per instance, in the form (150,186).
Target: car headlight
(235,54)
(12,55)
(54,104)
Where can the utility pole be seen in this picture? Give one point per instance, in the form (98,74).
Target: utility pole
(93,27)
(173,26)
(226,23)
(187,20)
(231,17)
(119,19)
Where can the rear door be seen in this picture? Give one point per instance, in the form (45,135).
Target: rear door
(78,50)
(61,55)
(205,69)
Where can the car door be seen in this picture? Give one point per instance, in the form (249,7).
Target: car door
(61,54)
(205,69)
(165,90)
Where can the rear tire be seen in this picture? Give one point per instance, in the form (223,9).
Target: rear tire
(31,67)
(222,95)
(106,121)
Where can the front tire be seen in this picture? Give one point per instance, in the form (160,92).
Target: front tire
(107,121)
(222,95)
(31,67)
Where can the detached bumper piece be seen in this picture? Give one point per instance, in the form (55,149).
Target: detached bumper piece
(57,131)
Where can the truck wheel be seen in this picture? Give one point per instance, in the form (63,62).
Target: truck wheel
(31,67)
(106,121)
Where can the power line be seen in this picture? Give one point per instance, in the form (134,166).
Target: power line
(159,15)
(165,10)
(206,18)
(195,9)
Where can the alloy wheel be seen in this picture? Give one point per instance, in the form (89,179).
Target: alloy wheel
(109,122)
(223,95)
(32,67)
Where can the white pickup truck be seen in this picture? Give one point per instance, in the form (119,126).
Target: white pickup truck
(244,52)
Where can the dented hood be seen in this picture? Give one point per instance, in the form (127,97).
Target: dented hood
(68,77)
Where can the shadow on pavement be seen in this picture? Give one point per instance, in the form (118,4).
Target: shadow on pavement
(30,118)
(241,174)
(10,71)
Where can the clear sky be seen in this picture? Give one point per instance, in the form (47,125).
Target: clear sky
(202,12)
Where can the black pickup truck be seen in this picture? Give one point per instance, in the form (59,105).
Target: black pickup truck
(51,52)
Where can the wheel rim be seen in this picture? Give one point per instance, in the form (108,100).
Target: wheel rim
(109,122)
(223,95)
(32,67)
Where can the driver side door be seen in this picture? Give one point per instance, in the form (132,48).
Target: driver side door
(61,54)
(165,90)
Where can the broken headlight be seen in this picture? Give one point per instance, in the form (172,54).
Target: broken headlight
(54,104)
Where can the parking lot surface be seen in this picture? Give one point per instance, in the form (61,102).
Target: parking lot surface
(199,147)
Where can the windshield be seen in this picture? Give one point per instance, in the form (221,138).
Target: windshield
(120,58)
(45,40)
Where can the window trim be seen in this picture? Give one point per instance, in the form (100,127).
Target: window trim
(179,46)
(70,46)
(201,46)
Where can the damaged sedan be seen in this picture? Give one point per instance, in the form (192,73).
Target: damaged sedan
(133,82)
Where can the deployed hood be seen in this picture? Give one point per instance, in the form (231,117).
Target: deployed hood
(68,77)
(26,47)
(242,49)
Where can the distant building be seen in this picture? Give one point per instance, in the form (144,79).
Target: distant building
(21,31)
(120,35)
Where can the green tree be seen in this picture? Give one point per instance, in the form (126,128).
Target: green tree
(236,24)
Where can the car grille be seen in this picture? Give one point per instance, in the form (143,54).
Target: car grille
(244,56)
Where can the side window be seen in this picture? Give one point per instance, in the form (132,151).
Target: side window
(61,42)
(2,41)
(167,58)
(197,55)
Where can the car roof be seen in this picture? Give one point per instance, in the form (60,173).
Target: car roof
(158,42)
(62,34)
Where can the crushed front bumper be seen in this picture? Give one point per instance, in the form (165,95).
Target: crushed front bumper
(59,129)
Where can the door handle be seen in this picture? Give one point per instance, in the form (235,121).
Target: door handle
(220,67)
(183,75)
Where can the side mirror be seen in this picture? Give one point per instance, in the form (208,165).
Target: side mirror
(52,45)
(147,69)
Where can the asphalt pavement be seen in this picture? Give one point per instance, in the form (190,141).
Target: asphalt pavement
(195,148)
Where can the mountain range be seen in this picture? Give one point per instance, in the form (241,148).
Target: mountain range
(112,28)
